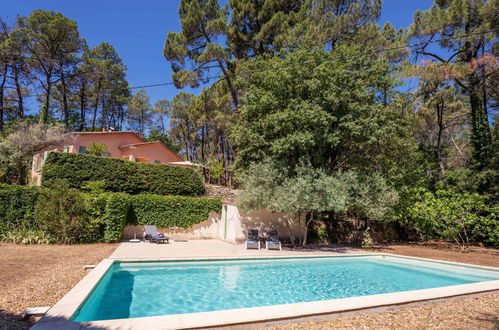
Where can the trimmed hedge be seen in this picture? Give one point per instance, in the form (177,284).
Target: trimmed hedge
(117,210)
(17,205)
(106,214)
(171,211)
(121,175)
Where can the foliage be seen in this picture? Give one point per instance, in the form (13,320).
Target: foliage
(469,59)
(26,235)
(96,149)
(18,147)
(460,217)
(172,211)
(308,191)
(117,210)
(121,176)
(60,212)
(139,115)
(216,168)
(33,215)
(17,206)
(331,115)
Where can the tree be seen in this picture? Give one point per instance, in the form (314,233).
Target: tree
(196,50)
(139,113)
(97,149)
(324,109)
(466,28)
(325,23)
(18,147)
(109,88)
(259,27)
(50,40)
(303,195)
(162,109)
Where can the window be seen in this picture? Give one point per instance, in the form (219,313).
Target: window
(83,150)
(157,162)
(65,149)
(45,154)
(106,154)
(37,157)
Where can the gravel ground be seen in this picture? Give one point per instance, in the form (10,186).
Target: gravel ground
(40,275)
(468,313)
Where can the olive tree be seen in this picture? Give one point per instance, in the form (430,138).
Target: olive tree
(307,191)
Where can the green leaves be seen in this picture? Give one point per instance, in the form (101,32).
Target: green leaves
(121,176)
(460,217)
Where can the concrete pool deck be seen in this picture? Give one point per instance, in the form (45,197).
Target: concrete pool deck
(212,249)
(58,317)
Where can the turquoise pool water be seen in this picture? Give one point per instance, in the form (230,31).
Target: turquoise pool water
(161,288)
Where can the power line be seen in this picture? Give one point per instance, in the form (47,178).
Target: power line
(318,61)
(375,52)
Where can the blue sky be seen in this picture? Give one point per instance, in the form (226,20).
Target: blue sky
(137,30)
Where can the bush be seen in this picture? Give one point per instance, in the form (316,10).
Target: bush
(117,211)
(17,206)
(121,176)
(459,217)
(64,215)
(26,235)
(172,211)
(95,211)
(60,212)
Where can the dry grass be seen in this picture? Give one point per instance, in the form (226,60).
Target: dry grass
(40,275)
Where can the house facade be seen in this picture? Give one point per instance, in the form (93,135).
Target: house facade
(123,145)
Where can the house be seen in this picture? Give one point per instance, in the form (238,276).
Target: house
(122,145)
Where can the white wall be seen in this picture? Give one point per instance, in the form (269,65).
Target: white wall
(231,226)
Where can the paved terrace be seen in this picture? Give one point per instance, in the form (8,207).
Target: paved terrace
(212,248)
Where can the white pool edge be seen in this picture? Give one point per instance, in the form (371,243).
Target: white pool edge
(58,317)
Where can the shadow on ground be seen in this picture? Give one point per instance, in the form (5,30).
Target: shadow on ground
(9,321)
(319,248)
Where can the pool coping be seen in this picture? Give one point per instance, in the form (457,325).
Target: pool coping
(58,317)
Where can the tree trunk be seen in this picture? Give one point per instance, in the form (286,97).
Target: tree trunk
(20,105)
(65,108)
(82,106)
(440,114)
(2,101)
(481,137)
(96,107)
(44,115)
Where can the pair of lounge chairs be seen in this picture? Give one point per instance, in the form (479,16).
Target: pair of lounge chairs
(152,235)
(271,239)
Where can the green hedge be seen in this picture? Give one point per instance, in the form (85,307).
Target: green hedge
(121,175)
(103,215)
(172,211)
(117,210)
(17,205)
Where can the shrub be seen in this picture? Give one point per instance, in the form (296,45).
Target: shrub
(121,176)
(26,235)
(60,212)
(117,211)
(95,211)
(172,211)
(17,205)
(459,217)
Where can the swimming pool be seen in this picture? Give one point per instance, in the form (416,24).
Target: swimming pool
(142,289)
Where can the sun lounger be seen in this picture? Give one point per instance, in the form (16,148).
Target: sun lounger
(253,239)
(272,240)
(153,236)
